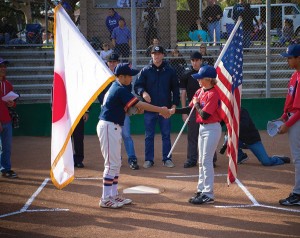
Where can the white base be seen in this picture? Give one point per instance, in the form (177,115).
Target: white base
(141,190)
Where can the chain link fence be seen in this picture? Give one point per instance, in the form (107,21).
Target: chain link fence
(180,28)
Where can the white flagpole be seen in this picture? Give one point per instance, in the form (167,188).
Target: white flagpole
(186,121)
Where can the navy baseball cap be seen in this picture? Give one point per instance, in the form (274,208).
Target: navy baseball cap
(205,71)
(3,61)
(124,69)
(292,51)
(196,55)
(158,49)
(113,57)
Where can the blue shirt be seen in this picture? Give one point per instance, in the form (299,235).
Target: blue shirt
(112,22)
(122,36)
(116,103)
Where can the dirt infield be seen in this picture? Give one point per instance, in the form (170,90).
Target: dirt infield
(32,207)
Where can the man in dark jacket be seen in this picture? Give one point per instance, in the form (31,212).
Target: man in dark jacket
(238,8)
(249,138)
(248,17)
(213,14)
(188,87)
(158,85)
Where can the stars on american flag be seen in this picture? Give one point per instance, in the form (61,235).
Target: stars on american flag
(233,58)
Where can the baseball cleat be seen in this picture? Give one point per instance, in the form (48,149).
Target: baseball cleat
(291,200)
(124,201)
(169,163)
(134,165)
(148,164)
(243,159)
(110,203)
(189,164)
(201,199)
(285,159)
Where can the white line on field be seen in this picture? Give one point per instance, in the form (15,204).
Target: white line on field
(30,200)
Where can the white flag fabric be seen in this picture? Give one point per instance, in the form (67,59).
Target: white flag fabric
(79,76)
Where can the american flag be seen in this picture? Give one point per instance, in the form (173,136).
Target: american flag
(229,68)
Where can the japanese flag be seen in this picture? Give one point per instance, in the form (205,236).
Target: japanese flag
(79,76)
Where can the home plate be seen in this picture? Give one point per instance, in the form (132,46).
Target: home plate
(142,190)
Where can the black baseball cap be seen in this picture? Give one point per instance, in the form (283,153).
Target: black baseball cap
(124,69)
(113,57)
(196,55)
(157,49)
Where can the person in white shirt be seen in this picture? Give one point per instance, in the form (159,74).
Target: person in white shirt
(106,52)
(150,19)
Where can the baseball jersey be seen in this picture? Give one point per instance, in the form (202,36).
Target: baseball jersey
(292,102)
(5,88)
(210,103)
(116,103)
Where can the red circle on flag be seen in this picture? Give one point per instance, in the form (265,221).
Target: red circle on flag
(59,98)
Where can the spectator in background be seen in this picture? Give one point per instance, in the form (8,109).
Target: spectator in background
(5,124)
(121,39)
(238,8)
(198,25)
(123,3)
(213,14)
(7,31)
(150,19)
(106,52)
(248,28)
(155,42)
(287,32)
(78,141)
(177,62)
(207,59)
(260,31)
(141,3)
(112,20)
(50,38)
(198,31)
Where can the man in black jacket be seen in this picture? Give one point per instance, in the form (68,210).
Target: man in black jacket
(248,17)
